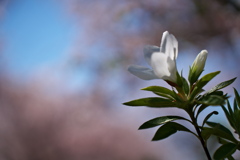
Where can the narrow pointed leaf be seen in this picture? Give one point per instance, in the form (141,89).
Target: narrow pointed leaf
(207,132)
(208,116)
(201,108)
(159,121)
(222,85)
(202,82)
(219,126)
(220,131)
(168,129)
(225,151)
(222,141)
(161,91)
(164,131)
(229,118)
(185,86)
(237,97)
(229,108)
(230,158)
(235,107)
(152,102)
(212,100)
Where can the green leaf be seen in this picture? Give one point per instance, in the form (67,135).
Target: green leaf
(152,102)
(222,141)
(159,121)
(222,85)
(208,116)
(236,120)
(219,126)
(229,117)
(168,129)
(201,108)
(230,158)
(212,100)
(229,108)
(185,86)
(161,91)
(235,106)
(192,77)
(219,131)
(179,80)
(225,151)
(201,83)
(237,97)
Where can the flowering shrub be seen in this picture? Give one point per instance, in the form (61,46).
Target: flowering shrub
(188,95)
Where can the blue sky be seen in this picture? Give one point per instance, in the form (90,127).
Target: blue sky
(34,32)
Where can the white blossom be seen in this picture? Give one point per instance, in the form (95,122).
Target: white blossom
(162,60)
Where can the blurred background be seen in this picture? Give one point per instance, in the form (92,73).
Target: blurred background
(63,74)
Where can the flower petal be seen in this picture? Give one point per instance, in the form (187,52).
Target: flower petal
(142,72)
(169,45)
(163,66)
(148,51)
(159,64)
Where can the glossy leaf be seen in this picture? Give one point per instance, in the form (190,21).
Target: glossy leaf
(161,91)
(212,100)
(168,129)
(222,85)
(202,82)
(219,131)
(225,151)
(152,102)
(159,121)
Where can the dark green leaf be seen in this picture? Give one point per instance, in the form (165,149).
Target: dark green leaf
(230,158)
(164,131)
(236,124)
(208,116)
(179,80)
(161,91)
(220,131)
(222,85)
(212,100)
(219,126)
(202,82)
(222,141)
(168,129)
(159,121)
(152,102)
(201,108)
(235,107)
(224,151)
(229,108)
(229,117)
(185,86)
(237,97)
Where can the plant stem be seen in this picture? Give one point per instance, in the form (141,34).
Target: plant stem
(200,136)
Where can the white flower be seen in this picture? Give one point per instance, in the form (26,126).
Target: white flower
(197,66)
(162,60)
(199,62)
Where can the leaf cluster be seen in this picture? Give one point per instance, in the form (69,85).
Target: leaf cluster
(229,144)
(190,96)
